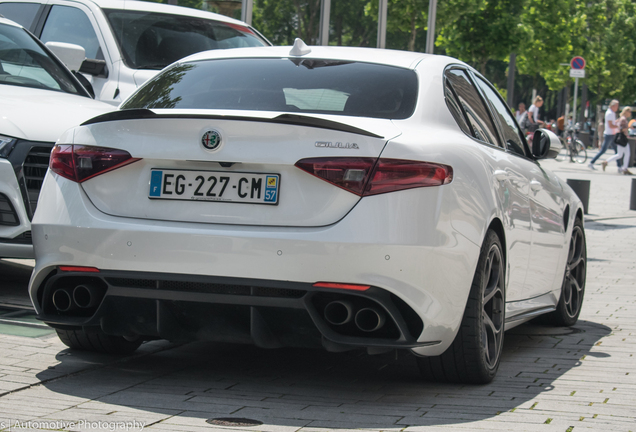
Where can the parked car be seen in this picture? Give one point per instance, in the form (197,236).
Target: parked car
(127,42)
(317,197)
(39,99)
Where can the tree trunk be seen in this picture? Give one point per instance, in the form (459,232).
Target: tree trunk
(299,12)
(413,32)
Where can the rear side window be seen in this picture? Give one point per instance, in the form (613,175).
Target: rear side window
(282,84)
(455,109)
(473,105)
(22,13)
(509,127)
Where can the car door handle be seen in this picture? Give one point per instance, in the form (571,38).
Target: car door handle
(500,175)
(536,185)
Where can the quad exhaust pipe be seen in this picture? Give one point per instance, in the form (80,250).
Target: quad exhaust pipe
(84,296)
(62,300)
(368,319)
(339,312)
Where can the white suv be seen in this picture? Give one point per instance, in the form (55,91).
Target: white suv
(39,99)
(128,42)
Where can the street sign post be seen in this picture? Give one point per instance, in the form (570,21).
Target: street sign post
(578,71)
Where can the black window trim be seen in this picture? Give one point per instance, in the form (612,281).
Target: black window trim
(467,71)
(498,126)
(448,87)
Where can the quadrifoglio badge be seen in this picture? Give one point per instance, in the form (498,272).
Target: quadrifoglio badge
(211,139)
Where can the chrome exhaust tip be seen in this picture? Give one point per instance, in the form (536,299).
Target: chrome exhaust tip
(370,319)
(84,297)
(62,300)
(339,312)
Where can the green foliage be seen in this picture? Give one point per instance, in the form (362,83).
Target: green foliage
(483,33)
(609,49)
(490,31)
(277,21)
(551,29)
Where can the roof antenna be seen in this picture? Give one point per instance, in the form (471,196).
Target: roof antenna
(299,48)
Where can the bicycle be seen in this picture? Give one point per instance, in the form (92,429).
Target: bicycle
(573,148)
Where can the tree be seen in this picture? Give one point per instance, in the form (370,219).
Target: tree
(609,48)
(351,26)
(276,20)
(490,32)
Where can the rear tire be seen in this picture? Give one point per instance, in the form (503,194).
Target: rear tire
(573,287)
(474,355)
(97,341)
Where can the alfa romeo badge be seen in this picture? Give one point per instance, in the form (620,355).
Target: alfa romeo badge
(211,140)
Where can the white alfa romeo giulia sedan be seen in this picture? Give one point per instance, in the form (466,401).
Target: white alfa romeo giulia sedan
(326,197)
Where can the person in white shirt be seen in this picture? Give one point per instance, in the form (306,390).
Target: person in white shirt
(611,129)
(533,114)
(622,151)
(520,112)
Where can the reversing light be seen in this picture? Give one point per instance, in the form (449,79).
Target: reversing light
(370,176)
(351,287)
(80,163)
(80,269)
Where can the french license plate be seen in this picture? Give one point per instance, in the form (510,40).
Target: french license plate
(235,187)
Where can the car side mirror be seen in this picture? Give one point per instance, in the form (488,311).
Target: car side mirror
(545,144)
(94,67)
(70,54)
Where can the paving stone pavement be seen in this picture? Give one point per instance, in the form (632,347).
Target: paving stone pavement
(572,379)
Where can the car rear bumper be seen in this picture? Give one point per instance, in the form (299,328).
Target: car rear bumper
(394,243)
(270,314)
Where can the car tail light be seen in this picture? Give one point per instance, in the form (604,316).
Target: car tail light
(368,176)
(351,287)
(80,163)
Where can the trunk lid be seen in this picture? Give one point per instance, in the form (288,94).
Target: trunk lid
(252,147)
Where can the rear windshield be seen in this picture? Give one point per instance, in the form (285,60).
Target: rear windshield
(282,84)
(150,40)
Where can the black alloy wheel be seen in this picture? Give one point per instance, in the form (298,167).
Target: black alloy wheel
(474,355)
(492,323)
(573,287)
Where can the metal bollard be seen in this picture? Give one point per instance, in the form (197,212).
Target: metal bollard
(632,200)
(582,189)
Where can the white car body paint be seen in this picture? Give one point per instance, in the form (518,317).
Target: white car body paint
(422,245)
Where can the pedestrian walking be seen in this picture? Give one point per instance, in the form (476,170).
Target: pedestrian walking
(560,125)
(611,129)
(534,121)
(600,131)
(521,112)
(622,143)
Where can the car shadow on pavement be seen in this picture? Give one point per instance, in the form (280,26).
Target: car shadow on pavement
(188,384)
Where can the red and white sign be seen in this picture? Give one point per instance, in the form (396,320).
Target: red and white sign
(577,62)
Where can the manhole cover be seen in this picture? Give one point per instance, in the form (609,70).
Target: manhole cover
(529,330)
(233,422)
